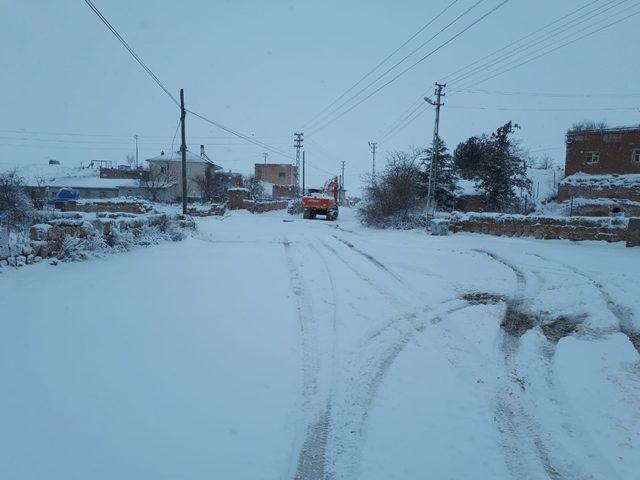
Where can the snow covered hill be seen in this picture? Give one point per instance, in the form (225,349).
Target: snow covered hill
(271,349)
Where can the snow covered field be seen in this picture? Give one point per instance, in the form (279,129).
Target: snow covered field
(271,349)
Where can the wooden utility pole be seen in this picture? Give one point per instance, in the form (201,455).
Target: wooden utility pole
(183,151)
(342,183)
(303,173)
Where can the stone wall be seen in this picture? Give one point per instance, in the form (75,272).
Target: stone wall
(565,192)
(571,228)
(125,206)
(47,237)
(633,233)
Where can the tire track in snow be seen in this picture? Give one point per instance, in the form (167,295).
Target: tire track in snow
(311,454)
(521,431)
(623,315)
(369,257)
(364,370)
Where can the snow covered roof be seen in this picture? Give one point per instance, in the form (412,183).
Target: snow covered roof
(177,157)
(595,131)
(631,180)
(92,182)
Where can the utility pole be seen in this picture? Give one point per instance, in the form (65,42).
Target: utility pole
(342,182)
(265,155)
(297,144)
(136,139)
(183,151)
(431,194)
(303,172)
(373,146)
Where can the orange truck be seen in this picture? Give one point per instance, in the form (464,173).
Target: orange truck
(322,201)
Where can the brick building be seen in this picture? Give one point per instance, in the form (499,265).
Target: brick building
(603,164)
(603,152)
(276,173)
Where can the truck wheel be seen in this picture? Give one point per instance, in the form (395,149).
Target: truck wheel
(306,213)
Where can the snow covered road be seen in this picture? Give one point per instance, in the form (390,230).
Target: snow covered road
(271,349)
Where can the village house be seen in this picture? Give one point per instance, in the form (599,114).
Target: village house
(602,171)
(166,169)
(276,173)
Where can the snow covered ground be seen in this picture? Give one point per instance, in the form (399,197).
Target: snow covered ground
(265,348)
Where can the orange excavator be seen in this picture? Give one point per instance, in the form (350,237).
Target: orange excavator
(322,201)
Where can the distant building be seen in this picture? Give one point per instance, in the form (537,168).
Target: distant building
(276,173)
(603,166)
(167,169)
(603,152)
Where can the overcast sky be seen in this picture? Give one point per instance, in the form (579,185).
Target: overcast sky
(265,68)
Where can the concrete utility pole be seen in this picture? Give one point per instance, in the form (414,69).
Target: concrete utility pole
(373,146)
(303,179)
(431,194)
(265,155)
(297,144)
(136,139)
(183,151)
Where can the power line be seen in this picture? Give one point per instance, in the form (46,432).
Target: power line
(515,42)
(131,51)
(398,63)
(544,38)
(243,136)
(413,65)
(525,109)
(529,60)
(405,116)
(546,94)
(382,62)
(422,108)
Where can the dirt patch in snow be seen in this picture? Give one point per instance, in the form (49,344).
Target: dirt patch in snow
(517,321)
(482,298)
(560,327)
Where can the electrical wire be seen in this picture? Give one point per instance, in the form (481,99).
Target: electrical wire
(382,62)
(413,65)
(131,51)
(515,42)
(548,52)
(241,135)
(397,64)
(548,36)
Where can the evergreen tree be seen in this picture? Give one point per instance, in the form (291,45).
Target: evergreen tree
(467,156)
(445,175)
(501,169)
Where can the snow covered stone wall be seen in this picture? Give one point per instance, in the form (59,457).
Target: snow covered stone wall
(610,229)
(76,236)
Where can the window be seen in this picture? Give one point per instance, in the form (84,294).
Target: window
(163,169)
(282,174)
(636,155)
(593,158)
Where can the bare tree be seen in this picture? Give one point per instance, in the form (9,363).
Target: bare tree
(395,193)
(545,162)
(37,192)
(213,185)
(256,189)
(158,178)
(129,159)
(588,125)
(15,206)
